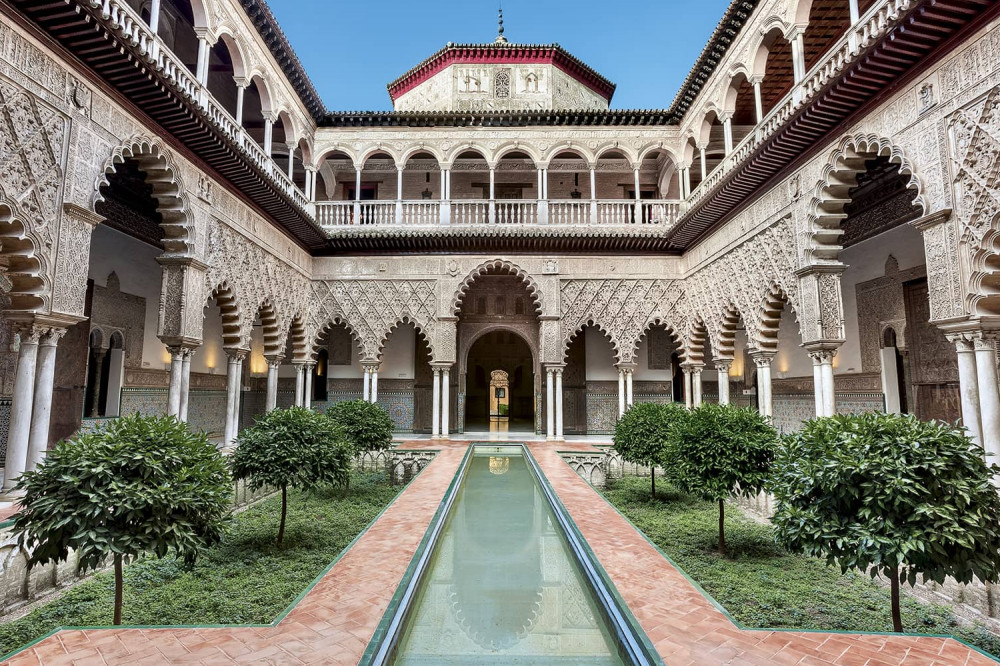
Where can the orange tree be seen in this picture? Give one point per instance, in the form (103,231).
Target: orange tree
(889,494)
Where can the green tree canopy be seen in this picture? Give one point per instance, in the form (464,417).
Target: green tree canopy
(291,448)
(721,450)
(366,425)
(138,485)
(641,433)
(887,493)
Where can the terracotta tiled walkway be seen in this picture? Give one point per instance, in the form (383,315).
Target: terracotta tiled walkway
(686,628)
(334,622)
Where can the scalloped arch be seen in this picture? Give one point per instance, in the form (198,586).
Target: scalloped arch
(317,335)
(592,323)
(270,327)
(673,331)
(404,320)
(27,272)
(228,302)
(770,307)
(501,267)
(826,209)
(168,190)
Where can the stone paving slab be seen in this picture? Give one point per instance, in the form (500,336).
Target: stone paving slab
(686,628)
(335,621)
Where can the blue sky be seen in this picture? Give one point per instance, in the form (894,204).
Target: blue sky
(351,50)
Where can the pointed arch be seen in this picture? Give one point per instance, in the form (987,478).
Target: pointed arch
(501,267)
(168,190)
(826,210)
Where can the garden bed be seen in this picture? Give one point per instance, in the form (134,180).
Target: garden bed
(246,579)
(761,585)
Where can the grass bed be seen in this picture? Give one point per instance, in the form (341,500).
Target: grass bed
(246,579)
(763,586)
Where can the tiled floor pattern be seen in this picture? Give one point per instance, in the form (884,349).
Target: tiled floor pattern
(333,624)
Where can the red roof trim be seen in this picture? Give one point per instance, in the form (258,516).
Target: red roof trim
(502,54)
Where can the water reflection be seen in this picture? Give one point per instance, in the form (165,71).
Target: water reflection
(502,582)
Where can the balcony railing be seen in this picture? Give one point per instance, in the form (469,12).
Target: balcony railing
(871,27)
(517,212)
(123,19)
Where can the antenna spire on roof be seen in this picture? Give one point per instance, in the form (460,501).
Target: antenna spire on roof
(500,38)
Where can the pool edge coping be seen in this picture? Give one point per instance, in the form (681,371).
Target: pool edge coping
(736,623)
(256,625)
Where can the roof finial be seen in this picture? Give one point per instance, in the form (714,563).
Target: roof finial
(500,38)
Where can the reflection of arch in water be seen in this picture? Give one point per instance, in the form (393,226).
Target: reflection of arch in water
(496,588)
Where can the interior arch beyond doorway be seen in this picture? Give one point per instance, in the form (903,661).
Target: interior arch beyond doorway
(507,350)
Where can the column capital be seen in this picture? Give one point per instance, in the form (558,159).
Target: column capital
(822,356)
(722,364)
(274,360)
(236,354)
(371,364)
(625,367)
(962,340)
(762,357)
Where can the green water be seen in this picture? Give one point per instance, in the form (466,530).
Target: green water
(502,587)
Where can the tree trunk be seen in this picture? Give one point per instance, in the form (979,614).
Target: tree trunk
(284,510)
(652,478)
(118,589)
(897,620)
(722,528)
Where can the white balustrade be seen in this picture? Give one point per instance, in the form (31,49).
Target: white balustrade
(122,19)
(378,212)
(470,212)
(513,211)
(334,213)
(614,212)
(871,27)
(569,212)
(421,213)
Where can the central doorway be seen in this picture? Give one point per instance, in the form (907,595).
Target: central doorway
(500,384)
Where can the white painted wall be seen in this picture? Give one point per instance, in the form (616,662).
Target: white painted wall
(642,371)
(397,355)
(135,264)
(866,261)
(600,357)
(791,359)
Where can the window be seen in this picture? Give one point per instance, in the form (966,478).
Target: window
(501,84)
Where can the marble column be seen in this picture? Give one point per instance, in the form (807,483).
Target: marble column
(549,404)
(445,401)
(436,404)
(688,388)
(696,386)
(968,385)
(829,386)
(722,367)
(628,388)
(273,366)
(300,384)
(762,359)
(989,394)
(176,375)
(20,409)
(182,413)
(559,403)
(621,392)
(374,382)
(757,99)
(307,397)
(41,413)
(366,372)
(233,381)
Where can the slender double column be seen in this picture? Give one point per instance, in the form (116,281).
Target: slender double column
(180,380)
(559,403)
(984,346)
(369,380)
(823,384)
(307,397)
(696,385)
(436,403)
(234,380)
(762,359)
(550,420)
(624,387)
(722,367)
(688,388)
(968,380)
(273,366)
(300,384)
(41,413)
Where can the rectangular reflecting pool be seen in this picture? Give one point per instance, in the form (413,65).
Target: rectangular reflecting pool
(502,580)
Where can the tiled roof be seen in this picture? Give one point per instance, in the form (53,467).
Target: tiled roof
(267,26)
(612,117)
(505,52)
